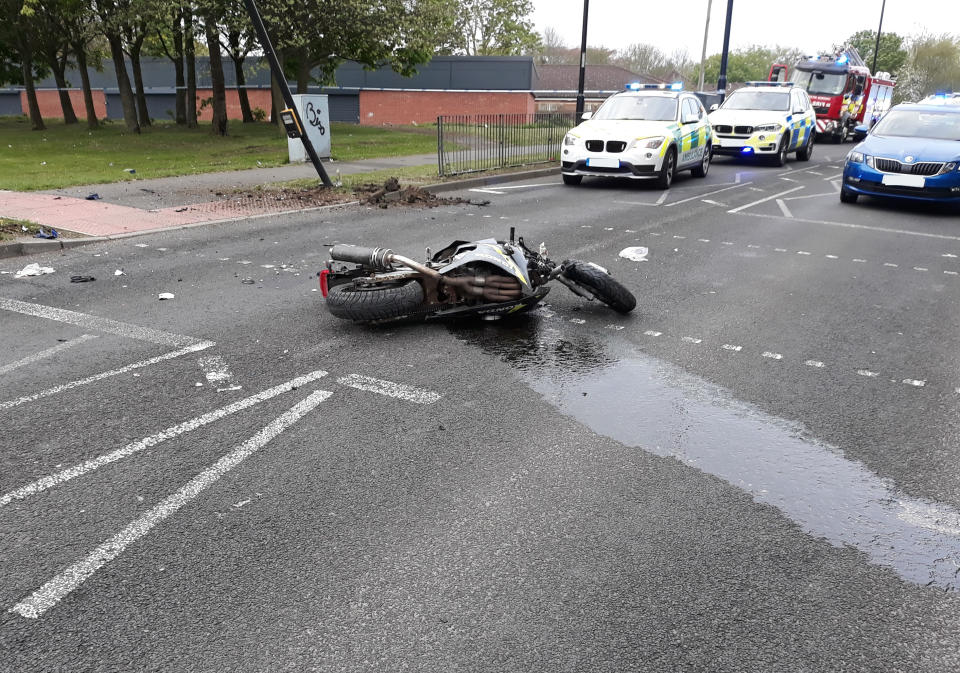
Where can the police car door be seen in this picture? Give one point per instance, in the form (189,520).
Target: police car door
(802,119)
(693,138)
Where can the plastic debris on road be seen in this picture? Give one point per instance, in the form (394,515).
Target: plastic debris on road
(33,270)
(82,279)
(119,272)
(165,295)
(46,234)
(130,170)
(636,254)
(92,197)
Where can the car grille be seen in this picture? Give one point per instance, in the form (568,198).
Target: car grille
(744,130)
(616,146)
(595,145)
(894,166)
(723,128)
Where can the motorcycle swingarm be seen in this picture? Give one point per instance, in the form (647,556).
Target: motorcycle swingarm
(499,309)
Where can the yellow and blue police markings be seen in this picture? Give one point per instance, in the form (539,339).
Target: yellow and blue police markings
(801,126)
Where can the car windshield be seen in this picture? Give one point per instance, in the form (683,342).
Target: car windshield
(917,124)
(823,83)
(649,108)
(758,100)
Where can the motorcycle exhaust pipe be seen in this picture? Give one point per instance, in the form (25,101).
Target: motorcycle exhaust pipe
(377,258)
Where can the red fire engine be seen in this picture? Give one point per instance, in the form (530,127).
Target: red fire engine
(843,92)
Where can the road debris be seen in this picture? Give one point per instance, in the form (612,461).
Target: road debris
(33,270)
(92,197)
(635,254)
(165,295)
(82,279)
(46,234)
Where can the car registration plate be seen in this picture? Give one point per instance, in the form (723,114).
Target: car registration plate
(603,162)
(905,180)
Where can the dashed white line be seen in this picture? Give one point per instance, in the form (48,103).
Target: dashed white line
(614,327)
(103,375)
(920,268)
(663,197)
(783,208)
(867,373)
(691,340)
(780,250)
(51,593)
(831,257)
(751,245)
(488,191)
(701,196)
(918,383)
(891,264)
(803,252)
(90,322)
(814,363)
(390,389)
(860,261)
(653,333)
(49,352)
(947,254)
(950,273)
(704,240)
(714,203)
(772,356)
(731,347)
(83,468)
(577,321)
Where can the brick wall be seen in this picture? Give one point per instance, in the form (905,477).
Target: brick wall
(49,102)
(403,107)
(259,98)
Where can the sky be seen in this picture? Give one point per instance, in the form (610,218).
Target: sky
(672,24)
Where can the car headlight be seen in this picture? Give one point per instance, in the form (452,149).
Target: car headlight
(952,166)
(570,139)
(646,143)
(767,127)
(855,157)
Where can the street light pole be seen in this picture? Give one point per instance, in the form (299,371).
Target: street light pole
(876,48)
(703,54)
(722,82)
(583,60)
(284,87)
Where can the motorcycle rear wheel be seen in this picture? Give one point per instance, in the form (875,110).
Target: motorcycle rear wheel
(379,302)
(603,286)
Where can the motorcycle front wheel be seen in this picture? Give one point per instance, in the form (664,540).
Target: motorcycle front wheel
(375,302)
(602,286)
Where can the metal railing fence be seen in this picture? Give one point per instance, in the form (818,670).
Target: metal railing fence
(471,143)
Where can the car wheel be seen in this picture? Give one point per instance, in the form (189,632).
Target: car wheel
(701,170)
(780,158)
(572,179)
(846,196)
(667,171)
(804,153)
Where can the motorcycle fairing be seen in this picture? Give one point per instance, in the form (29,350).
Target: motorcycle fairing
(521,305)
(490,251)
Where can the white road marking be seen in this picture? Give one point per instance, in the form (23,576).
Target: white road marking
(951,273)
(691,340)
(833,177)
(919,383)
(700,196)
(731,347)
(704,240)
(809,196)
(215,369)
(49,352)
(680,237)
(390,389)
(51,593)
(814,363)
(836,185)
(803,252)
(634,203)
(203,345)
(783,208)
(891,264)
(765,199)
(788,179)
(947,254)
(859,261)
(663,197)
(816,173)
(920,268)
(867,373)
(172,432)
(538,184)
(726,242)
(738,178)
(488,191)
(577,321)
(780,250)
(848,225)
(750,245)
(714,203)
(930,516)
(653,333)
(772,356)
(91,322)
(831,257)
(616,327)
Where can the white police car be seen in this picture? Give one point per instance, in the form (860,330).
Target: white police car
(765,119)
(645,132)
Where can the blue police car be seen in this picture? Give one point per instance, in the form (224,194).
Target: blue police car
(912,153)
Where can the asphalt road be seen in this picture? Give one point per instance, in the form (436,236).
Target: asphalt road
(754,471)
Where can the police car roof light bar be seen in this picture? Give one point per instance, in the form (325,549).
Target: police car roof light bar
(762,83)
(636,86)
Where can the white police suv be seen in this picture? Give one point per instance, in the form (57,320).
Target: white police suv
(646,132)
(765,119)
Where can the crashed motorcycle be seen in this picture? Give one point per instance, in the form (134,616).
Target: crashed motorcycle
(485,279)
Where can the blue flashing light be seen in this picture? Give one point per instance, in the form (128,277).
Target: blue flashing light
(842,59)
(746,150)
(633,86)
(676,86)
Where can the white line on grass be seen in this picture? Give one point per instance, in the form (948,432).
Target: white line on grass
(51,593)
(91,322)
(49,352)
(172,432)
(202,345)
(389,388)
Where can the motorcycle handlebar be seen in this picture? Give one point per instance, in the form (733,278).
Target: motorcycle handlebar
(378,258)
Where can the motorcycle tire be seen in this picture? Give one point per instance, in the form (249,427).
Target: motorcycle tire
(602,285)
(367,304)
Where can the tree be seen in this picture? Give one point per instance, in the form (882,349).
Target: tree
(81,27)
(167,40)
(494,28)
(645,59)
(53,46)
(751,64)
(892,54)
(113,15)
(18,28)
(553,51)
(933,64)
(219,117)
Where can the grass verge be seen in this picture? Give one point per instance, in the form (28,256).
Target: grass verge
(63,155)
